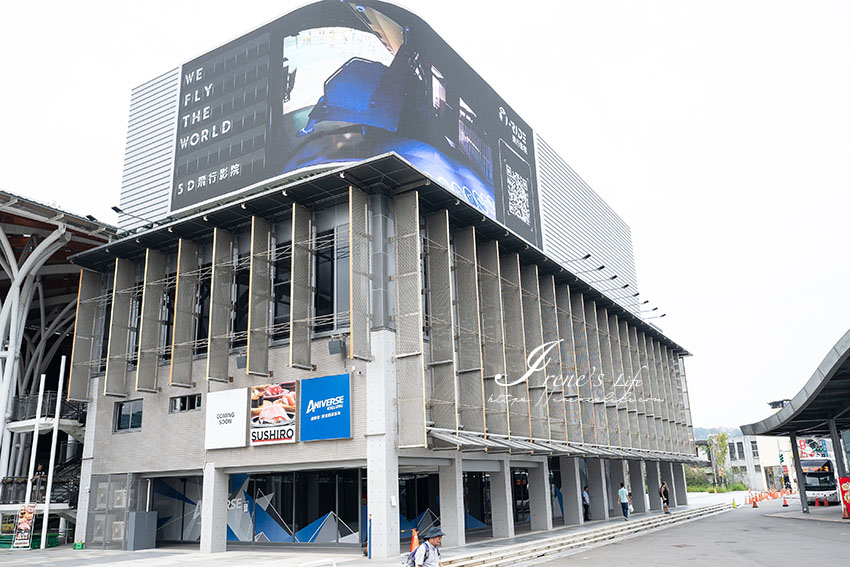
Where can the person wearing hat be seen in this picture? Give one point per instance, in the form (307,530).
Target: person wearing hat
(428,553)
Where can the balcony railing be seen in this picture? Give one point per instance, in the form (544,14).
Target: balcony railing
(23,407)
(13,490)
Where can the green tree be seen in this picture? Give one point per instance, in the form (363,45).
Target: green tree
(719,445)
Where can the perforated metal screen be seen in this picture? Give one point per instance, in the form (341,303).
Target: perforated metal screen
(150,322)
(409,320)
(555,369)
(115,380)
(520,422)
(492,328)
(583,370)
(221,306)
(360,286)
(441,325)
(259,298)
(469,358)
(301,295)
(568,361)
(533,331)
(81,351)
(185,298)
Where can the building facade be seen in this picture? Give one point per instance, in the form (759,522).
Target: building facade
(356,300)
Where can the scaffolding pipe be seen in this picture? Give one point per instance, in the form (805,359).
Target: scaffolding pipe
(56,416)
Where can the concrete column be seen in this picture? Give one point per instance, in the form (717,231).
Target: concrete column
(653,485)
(598,492)
(502,501)
(81,520)
(214,510)
(798,469)
(681,484)
(539,500)
(637,482)
(571,491)
(667,475)
(451,503)
(837,448)
(618,475)
(381,457)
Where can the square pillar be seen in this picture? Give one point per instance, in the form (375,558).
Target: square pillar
(571,491)
(452,513)
(637,483)
(502,501)
(667,475)
(598,492)
(618,475)
(653,485)
(214,510)
(381,458)
(681,484)
(539,497)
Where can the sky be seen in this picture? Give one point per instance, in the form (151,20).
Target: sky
(717,130)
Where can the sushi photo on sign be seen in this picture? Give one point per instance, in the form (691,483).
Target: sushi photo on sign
(273,411)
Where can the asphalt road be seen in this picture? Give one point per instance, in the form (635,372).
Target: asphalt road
(742,537)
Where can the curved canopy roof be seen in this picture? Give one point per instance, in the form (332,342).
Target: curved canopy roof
(825,396)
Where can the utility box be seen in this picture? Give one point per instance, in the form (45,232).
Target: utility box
(141,531)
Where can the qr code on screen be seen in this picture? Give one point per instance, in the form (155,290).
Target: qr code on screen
(518,200)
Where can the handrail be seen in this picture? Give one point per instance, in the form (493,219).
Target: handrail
(24,407)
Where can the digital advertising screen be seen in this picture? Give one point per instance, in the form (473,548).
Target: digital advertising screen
(336,82)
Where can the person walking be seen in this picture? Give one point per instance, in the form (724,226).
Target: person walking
(585,502)
(623,495)
(665,497)
(428,552)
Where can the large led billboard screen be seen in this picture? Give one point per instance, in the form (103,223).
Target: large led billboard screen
(336,82)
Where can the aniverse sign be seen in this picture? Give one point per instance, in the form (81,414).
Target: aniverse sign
(227,419)
(326,408)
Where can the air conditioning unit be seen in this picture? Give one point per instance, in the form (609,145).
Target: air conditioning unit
(119,498)
(99,528)
(118,531)
(102,494)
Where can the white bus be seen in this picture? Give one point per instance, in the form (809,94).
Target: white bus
(819,480)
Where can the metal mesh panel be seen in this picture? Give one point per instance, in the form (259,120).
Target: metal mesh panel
(568,363)
(183,328)
(533,328)
(81,351)
(443,399)
(519,409)
(677,399)
(115,380)
(607,366)
(657,393)
(409,340)
(648,393)
(583,377)
(360,294)
(259,298)
(221,305)
(640,376)
(600,416)
(666,412)
(630,388)
(619,378)
(554,370)
(150,322)
(301,294)
(492,328)
(470,364)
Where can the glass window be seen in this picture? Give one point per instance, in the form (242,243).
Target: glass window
(128,415)
(281,289)
(202,309)
(741,450)
(732,451)
(325,267)
(755,448)
(184,403)
(242,276)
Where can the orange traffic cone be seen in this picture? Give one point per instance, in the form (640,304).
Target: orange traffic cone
(846,514)
(817,501)
(755,503)
(825,501)
(414,541)
(784,502)
(746,500)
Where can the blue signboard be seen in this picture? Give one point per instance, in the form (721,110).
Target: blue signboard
(325,408)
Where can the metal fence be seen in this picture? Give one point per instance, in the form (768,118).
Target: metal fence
(24,407)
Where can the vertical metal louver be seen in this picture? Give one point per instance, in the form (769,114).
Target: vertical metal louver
(221,306)
(359,277)
(81,351)
(185,300)
(259,298)
(150,321)
(301,294)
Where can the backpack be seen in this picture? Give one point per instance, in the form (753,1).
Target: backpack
(410,561)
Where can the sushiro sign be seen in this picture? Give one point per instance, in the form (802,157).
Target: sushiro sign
(335,82)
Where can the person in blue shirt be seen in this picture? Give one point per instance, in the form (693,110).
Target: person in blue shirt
(623,495)
(585,502)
